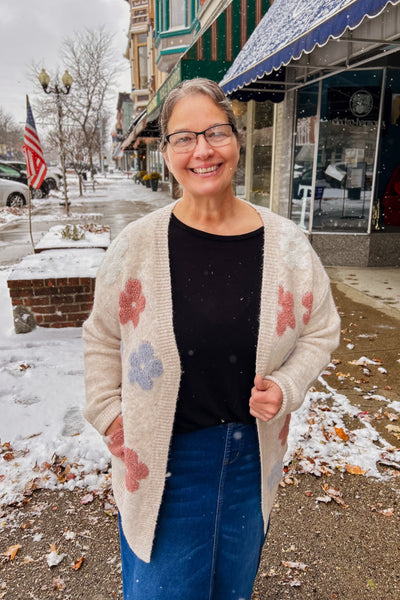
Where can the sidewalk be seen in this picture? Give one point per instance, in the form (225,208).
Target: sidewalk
(377,286)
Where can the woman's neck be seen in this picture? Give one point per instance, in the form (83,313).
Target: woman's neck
(228,217)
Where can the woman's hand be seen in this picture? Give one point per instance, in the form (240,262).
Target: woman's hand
(115,425)
(266,398)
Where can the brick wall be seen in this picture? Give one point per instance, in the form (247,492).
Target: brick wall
(61,302)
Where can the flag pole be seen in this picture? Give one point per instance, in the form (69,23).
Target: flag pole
(30,217)
(35,164)
(29,197)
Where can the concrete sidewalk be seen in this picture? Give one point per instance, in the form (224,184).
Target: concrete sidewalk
(377,286)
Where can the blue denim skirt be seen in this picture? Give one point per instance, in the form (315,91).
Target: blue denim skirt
(210,531)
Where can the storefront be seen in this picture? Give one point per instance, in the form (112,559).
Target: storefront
(344,127)
(336,135)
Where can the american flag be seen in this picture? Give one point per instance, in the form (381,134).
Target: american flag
(35,164)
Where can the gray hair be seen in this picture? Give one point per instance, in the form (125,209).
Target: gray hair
(199,85)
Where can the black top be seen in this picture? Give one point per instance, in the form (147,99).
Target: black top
(216,290)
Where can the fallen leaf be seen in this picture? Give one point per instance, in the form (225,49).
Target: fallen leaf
(393,428)
(78,563)
(387,512)
(54,558)
(59,584)
(23,367)
(391,416)
(295,565)
(342,376)
(335,493)
(11,551)
(87,498)
(342,434)
(28,559)
(354,470)
(324,499)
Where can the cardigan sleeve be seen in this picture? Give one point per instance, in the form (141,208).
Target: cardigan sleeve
(102,353)
(312,351)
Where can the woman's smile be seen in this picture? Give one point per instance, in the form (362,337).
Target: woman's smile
(205,170)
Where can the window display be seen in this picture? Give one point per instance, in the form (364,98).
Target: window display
(335,193)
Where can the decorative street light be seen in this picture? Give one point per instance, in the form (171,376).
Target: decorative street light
(44,79)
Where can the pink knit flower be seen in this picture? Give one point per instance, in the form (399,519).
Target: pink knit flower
(285,316)
(135,470)
(307,302)
(131,302)
(284,432)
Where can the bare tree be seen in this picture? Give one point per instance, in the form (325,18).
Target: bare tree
(11,136)
(90,58)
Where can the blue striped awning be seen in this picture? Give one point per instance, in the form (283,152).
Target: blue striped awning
(291,28)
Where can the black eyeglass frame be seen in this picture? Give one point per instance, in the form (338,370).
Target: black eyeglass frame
(197,133)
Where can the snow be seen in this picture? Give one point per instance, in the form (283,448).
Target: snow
(58,263)
(45,441)
(88,238)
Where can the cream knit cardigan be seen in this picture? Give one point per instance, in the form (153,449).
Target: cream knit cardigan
(132,363)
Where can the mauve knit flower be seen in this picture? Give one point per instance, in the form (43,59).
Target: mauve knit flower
(286,315)
(131,302)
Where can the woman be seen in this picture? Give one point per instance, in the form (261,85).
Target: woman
(212,318)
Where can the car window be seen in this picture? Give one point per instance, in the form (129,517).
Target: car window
(6,170)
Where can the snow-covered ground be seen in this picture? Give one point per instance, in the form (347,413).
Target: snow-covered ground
(45,442)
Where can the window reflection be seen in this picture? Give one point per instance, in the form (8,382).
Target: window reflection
(348,125)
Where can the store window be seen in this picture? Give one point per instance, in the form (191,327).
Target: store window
(305,139)
(332,185)
(262,152)
(142,65)
(177,13)
(240,111)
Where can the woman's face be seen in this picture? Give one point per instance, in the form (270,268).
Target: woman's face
(204,171)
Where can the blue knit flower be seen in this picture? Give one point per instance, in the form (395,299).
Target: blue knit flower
(144,367)
(275,475)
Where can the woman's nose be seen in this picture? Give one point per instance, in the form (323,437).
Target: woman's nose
(202,146)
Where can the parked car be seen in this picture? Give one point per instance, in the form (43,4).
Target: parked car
(52,180)
(20,167)
(7,171)
(13,193)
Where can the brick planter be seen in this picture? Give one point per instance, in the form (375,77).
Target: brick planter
(36,287)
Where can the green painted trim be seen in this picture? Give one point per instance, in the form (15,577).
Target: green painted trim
(221,41)
(173,50)
(251,18)
(169,84)
(207,44)
(214,70)
(265,6)
(235,28)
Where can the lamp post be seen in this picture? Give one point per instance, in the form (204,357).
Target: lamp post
(44,80)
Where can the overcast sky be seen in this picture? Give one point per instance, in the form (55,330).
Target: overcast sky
(31,32)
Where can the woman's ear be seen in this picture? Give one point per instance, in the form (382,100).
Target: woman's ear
(165,156)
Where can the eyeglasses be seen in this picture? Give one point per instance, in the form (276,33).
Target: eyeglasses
(216,136)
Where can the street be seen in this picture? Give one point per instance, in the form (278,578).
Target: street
(115,202)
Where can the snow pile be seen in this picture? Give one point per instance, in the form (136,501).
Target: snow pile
(58,264)
(44,440)
(75,236)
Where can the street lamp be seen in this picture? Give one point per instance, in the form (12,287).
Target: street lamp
(44,80)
